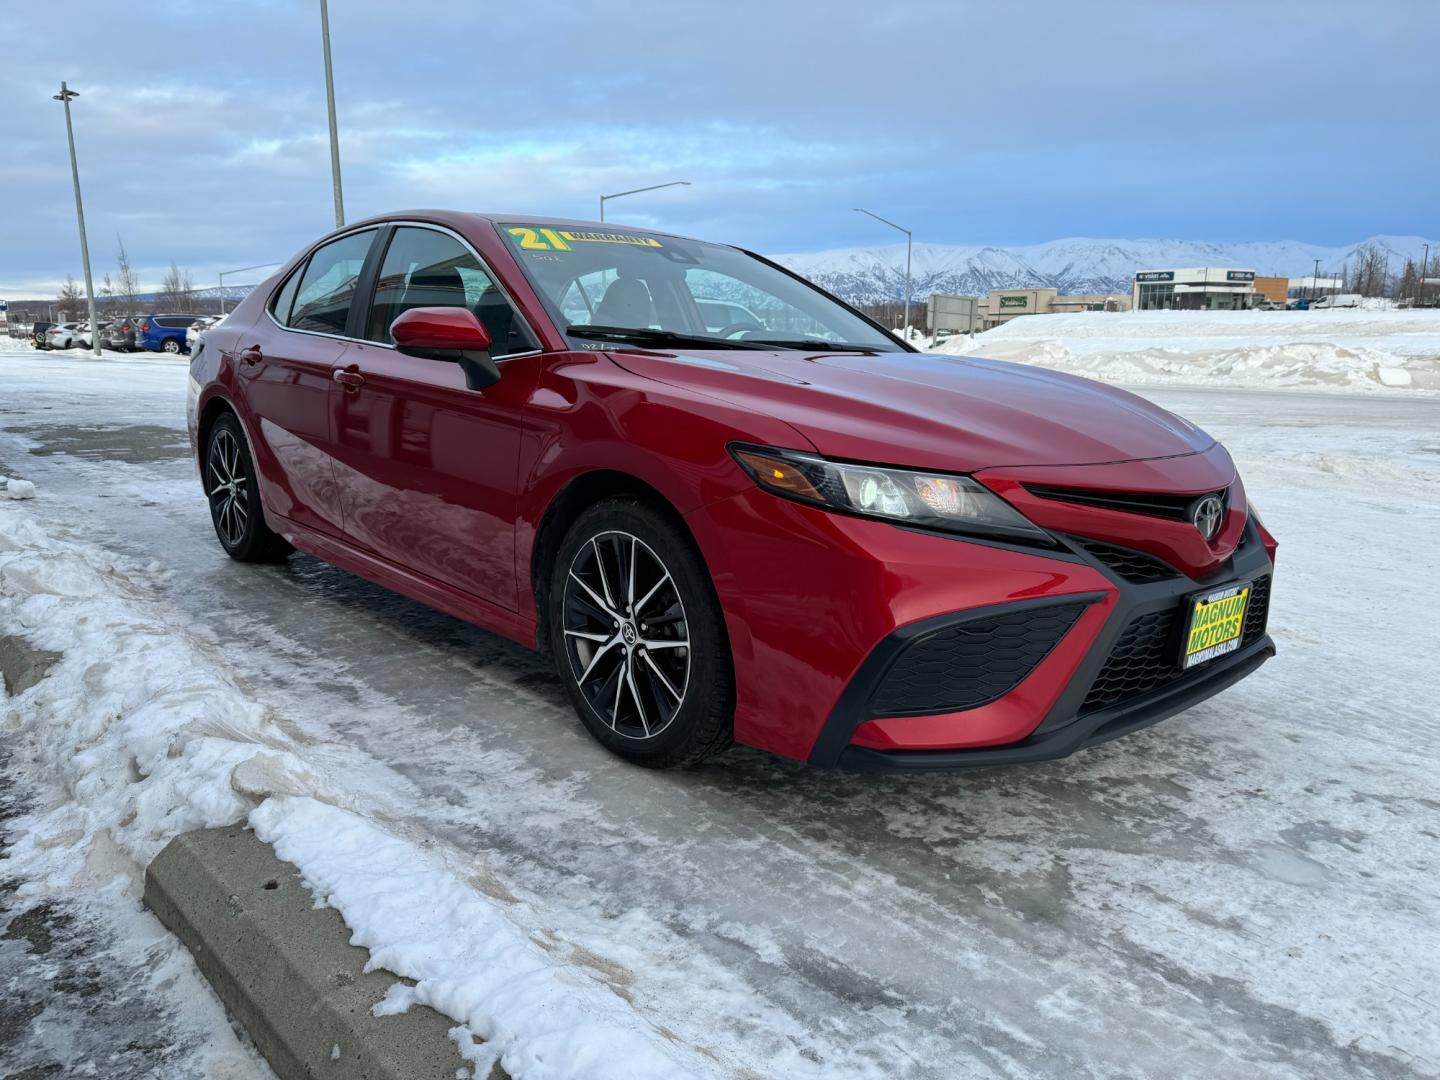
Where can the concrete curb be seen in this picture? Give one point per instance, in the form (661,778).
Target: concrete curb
(286,970)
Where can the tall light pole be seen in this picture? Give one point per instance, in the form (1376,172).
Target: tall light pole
(1424,269)
(330,102)
(637,191)
(909,245)
(239,270)
(64,97)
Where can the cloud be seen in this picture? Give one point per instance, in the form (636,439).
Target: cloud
(202,135)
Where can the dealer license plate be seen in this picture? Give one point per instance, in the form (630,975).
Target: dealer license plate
(1217,621)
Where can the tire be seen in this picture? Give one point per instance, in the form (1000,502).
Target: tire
(171,345)
(643,697)
(234,497)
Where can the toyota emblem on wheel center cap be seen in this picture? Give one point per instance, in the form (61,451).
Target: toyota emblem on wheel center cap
(628,633)
(1206,513)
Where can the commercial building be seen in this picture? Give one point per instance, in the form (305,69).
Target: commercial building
(1205,288)
(1002,305)
(1275,289)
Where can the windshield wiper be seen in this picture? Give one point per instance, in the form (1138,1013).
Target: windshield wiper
(648,336)
(817,344)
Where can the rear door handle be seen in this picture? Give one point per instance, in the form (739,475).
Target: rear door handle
(252,355)
(348,377)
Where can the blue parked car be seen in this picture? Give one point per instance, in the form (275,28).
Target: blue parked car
(163,333)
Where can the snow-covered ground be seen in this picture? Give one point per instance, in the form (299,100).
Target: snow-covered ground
(1247,889)
(1345,350)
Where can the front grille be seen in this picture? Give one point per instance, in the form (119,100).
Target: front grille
(1143,658)
(1147,654)
(1175,507)
(972,664)
(1257,613)
(1132,566)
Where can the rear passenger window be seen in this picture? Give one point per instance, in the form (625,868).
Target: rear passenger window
(425,268)
(322,301)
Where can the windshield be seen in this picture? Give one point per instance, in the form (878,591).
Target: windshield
(667,290)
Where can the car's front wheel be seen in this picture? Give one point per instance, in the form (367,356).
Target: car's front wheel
(234,497)
(171,345)
(637,633)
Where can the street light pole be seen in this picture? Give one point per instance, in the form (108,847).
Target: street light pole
(330,102)
(1424,268)
(239,270)
(909,245)
(64,97)
(637,191)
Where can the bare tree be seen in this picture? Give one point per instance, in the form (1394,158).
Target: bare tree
(68,301)
(1370,276)
(177,289)
(1409,283)
(127,285)
(107,295)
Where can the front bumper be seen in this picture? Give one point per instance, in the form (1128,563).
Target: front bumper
(819,607)
(1129,679)
(1080,732)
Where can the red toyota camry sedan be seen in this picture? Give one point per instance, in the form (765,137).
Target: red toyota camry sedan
(730,506)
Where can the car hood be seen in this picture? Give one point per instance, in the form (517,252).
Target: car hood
(933,411)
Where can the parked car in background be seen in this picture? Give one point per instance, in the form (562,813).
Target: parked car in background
(198,327)
(163,333)
(65,335)
(38,331)
(1336,300)
(119,334)
(1270,305)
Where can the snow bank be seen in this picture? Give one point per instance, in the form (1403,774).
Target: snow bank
(145,737)
(1353,349)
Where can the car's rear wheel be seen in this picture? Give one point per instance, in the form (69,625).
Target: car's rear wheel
(171,345)
(234,497)
(637,633)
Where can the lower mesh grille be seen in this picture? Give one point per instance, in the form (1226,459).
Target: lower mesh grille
(972,664)
(1147,654)
(1133,566)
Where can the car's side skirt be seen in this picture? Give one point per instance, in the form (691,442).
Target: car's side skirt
(471,609)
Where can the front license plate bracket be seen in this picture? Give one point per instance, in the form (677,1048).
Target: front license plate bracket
(1214,623)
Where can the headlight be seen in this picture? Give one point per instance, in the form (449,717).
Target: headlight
(957,504)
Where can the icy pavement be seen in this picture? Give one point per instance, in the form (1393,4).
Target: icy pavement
(1247,889)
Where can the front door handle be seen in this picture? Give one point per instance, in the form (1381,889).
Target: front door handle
(252,355)
(349,377)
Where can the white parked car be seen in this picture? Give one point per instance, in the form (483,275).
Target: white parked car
(66,335)
(198,327)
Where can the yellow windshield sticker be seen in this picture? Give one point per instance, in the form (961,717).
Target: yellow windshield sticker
(545,239)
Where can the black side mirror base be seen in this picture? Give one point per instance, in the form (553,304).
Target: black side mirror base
(480,371)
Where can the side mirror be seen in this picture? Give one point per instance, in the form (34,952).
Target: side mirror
(453,334)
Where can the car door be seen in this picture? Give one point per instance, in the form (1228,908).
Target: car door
(284,367)
(426,467)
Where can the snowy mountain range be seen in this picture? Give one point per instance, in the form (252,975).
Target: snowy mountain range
(875,275)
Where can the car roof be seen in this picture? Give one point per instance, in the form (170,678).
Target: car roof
(459,219)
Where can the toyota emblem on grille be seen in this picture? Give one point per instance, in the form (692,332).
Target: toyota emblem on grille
(1206,513)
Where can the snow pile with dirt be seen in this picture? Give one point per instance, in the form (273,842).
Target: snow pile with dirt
(143,736)
(1353,349)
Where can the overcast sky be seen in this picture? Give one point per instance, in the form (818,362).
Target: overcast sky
(202,136)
